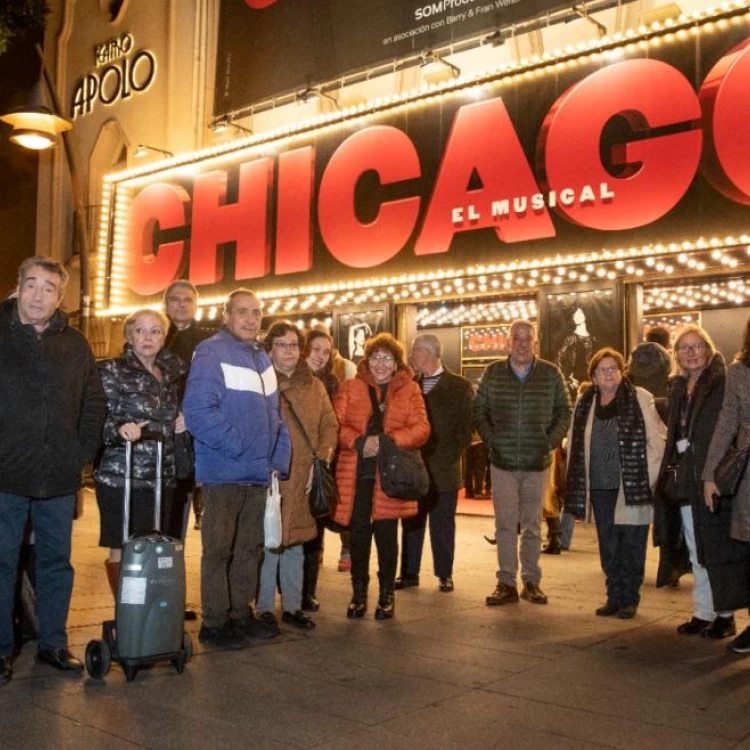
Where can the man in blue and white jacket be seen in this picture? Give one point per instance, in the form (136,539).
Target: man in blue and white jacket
(232,410)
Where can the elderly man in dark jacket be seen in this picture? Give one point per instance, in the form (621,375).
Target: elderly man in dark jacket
(522,412)
(52,407)
(448,399)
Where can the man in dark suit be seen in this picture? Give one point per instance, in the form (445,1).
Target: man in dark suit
(448,398)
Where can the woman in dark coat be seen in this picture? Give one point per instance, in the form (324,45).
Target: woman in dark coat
(734,425)
(695,400)
(142,387)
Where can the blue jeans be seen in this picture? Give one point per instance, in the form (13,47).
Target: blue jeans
(622,551)
(52,520)
(287,566)
(441,509)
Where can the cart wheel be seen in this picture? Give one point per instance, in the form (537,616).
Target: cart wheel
(187,646)
(130,672)
(179,664)
(98,659)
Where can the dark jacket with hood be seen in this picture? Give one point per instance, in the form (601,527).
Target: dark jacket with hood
(649,366)
(135,395)
(722,556)
(51,406)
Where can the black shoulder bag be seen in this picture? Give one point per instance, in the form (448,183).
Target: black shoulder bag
(403,475)
(324,494)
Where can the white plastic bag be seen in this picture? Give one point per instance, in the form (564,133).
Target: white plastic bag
(272,518)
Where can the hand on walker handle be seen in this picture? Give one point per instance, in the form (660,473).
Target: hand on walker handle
(131,431)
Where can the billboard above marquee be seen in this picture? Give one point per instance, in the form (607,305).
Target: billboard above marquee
(647,145)
(271,47)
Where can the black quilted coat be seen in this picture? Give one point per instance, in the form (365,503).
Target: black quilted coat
(135,395)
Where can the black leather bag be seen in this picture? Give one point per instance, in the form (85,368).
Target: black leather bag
(672,485)
(403,474)
(731,469)
(324,494)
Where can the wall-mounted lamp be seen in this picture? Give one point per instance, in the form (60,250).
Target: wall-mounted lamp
(497,38)
(430,58)
(222,124)
(309,94)
(35,126)
(142,150)
(580,10)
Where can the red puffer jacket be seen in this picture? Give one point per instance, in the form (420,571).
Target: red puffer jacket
(405,421)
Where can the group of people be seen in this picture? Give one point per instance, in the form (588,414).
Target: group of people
(237,414)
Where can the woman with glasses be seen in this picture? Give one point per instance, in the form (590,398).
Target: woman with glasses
(307,412)
(732,426)
(383,378)
(696,394)
(615,446)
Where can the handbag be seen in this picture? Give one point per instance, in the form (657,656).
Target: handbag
(272,516)
(324,494)
(403,474)
(184,456)
(731,469)
(672,485)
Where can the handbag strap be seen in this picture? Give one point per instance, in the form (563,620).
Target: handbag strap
(299,424)
(377,409)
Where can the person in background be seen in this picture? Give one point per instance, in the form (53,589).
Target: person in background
(317,353)
(448,398)
(303,397)
(476,475)
(615,447)
(143,395)
(552,505)
(649,366)
(734,425)
(52,408)
(184,334)
(384,378)
(232,411)
(522,411)
(660,335)
(697,392)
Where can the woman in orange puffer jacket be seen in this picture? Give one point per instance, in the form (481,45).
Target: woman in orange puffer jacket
(363,506)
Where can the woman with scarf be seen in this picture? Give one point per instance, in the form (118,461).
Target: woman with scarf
(615,447)
(697,391)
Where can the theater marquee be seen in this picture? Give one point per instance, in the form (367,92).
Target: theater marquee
(624,147)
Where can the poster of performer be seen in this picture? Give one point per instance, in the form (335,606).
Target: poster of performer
(352,328)
(579,323)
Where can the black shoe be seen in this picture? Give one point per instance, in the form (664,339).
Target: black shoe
(6,670)
(741,644)
(310,604)
(262,627)
(693,626)
(223,636)
(446,585)
(491,540)
(386,606)
(190,615)
(553,548)
(299,619)
(607,610)
(627,612)
(268,619)
(60,658)
(407,582)
(721,627)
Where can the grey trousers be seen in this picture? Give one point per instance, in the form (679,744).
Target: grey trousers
(286,566)
(517,497)
(232,537)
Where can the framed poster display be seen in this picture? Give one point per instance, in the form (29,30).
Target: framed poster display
(352,326)
(576,322)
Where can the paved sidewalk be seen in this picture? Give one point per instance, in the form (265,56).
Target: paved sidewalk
(448,672)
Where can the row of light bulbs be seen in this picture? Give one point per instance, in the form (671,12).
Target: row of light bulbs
(471,313)
(672,260)
(693,296)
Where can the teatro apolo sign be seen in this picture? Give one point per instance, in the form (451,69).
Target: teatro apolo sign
(120,72)
(284,216)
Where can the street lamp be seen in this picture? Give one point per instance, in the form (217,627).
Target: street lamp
(37,127)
